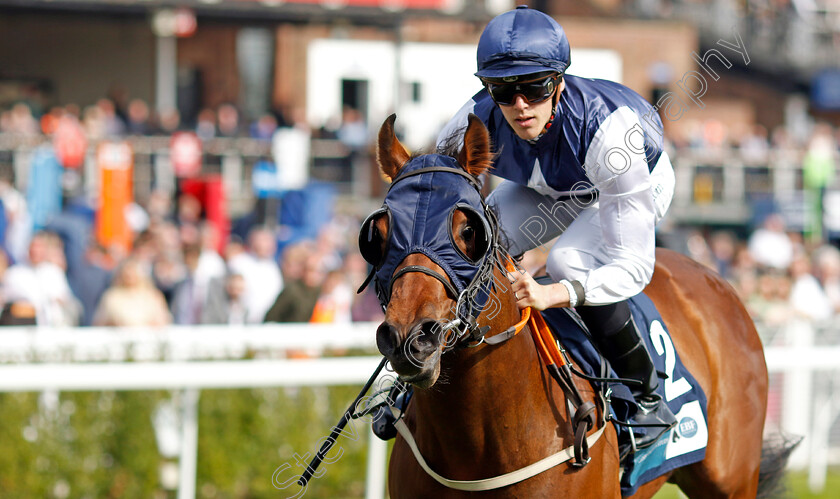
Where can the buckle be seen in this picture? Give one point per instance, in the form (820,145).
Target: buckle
(475,344)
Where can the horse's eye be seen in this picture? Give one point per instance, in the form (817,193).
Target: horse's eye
(468,232)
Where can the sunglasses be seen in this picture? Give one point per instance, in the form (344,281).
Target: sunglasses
(533,91)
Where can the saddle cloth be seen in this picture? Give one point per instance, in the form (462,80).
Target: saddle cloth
(686,442)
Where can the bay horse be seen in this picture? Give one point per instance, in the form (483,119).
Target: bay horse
(489,410)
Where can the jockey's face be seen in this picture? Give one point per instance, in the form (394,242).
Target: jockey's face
(528,119)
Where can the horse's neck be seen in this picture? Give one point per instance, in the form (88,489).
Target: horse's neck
(482,389)
(482,403)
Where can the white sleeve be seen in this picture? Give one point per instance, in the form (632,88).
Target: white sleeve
(616,165)
(458,124)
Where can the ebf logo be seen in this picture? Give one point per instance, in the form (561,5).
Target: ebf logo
(687,427)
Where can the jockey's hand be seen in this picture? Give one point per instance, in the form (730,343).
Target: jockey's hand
(529,293)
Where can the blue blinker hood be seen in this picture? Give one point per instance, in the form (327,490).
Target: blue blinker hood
(420,203)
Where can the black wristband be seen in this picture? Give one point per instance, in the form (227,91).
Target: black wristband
(581,298)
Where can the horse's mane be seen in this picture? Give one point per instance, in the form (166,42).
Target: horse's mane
(451,145)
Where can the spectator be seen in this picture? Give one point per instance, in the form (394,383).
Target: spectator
(235,254)
(827,271)
(228,121)
(14,312)
(205,126)
(42,283)
(743,262)
(328,246)
(807,298)
(226,301)
(138,118)
(334,301)
(19,222)
(189,296)
(353,131)
(770,303)
(698,249)
(144,251)
(818,167)
(754,146)
(49,121)
(263,281)
(168,272)
(296,302)
(366,305)
(746,285)
(22,122)
(168,121)
(84,260)
(96,275)
(211,265)
(189,216)
(264,128)
(722,246)
(94,123)
(769,245)
(113,125)
(132,300)
(159,206)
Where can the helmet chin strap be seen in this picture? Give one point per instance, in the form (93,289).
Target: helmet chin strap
(554,100)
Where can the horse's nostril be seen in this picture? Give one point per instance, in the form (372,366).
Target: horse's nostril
(387,339)
(424,337)
(431,329)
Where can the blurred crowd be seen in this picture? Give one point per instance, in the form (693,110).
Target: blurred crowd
(180,270)
(107,118)
(753,145)
(177,271)
(777,273)
(112,117)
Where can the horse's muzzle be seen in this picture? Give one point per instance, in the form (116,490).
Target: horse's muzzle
(414,355)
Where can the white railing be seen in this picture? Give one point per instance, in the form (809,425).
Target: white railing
(178,343)
(181,358)
(196,358)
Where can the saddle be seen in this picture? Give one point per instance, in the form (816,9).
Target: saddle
(686,442)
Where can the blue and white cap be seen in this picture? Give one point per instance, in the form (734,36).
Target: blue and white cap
(519,42)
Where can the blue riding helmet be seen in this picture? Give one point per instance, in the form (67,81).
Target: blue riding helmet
(420,205)
(519,42)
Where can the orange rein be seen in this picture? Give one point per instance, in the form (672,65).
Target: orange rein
(543,339)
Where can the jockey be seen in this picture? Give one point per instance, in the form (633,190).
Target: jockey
(582,159)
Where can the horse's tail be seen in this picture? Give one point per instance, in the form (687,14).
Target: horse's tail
(774,456)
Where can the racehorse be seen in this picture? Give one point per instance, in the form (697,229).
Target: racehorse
(489,410)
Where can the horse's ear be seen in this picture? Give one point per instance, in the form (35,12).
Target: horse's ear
(476,156)
(390,153)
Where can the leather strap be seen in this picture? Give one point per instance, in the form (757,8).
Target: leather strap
(583,420)
(525,316)
(501,480)
(425,270)
(443,169)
